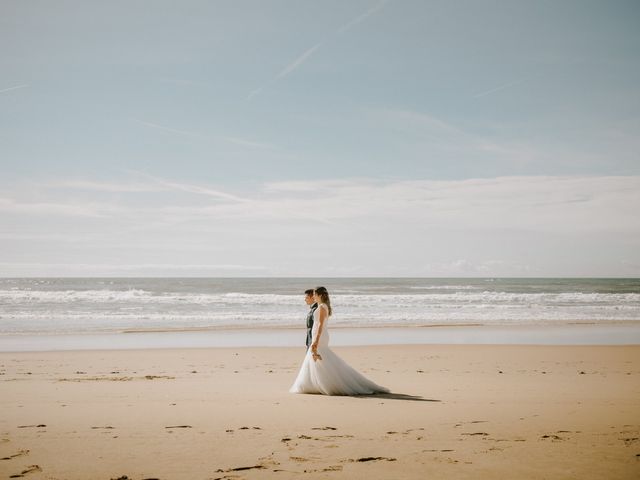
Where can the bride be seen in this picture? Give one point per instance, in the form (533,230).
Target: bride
(322,371)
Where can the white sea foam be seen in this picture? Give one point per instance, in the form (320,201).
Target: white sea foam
(483,298)
(444,287)
(82,305)
(140,296)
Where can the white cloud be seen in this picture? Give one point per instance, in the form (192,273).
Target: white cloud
(133,269)
(12,206)
(540,203)
(150,266)
(101,186)
(153,184)
(198,190)
(498,226)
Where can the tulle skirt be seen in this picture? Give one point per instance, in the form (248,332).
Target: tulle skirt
(332,376)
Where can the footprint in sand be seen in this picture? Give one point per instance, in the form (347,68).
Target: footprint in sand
(19,454)
(472,421)
(413,430)
(299,459)
(330,468)
(30,469)
(125,477)
(371,459)
(239,469)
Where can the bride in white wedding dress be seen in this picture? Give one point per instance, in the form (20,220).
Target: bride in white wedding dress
(322,371)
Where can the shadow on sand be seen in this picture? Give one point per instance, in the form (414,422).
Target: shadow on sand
(397,396)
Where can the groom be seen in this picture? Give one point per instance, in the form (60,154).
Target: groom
(308,299)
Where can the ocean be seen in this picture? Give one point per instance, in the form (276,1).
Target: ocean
(35,306)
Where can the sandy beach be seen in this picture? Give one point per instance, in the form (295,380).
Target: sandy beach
(456,411)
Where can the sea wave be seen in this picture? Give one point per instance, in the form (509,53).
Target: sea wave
(393,299)
(40,308)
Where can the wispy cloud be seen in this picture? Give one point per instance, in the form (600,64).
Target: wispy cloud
(82,269)
(297,62)
(235,140)
(182,81)
(255,92)
(249,143)
(168,129)
(499,88)
(13,88)
(47,237)
(363,17)
(476,226)
(101,186)
(14,206)
(190,188)
(200,190)
(442,136)
(152,184)
(537,203)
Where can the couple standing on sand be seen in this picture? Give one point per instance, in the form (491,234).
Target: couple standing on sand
(322,371)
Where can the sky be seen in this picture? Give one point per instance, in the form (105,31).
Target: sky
(320,138)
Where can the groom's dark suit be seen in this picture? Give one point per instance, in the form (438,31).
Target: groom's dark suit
(310,323)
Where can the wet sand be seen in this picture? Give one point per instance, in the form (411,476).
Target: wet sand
(456,411)
(584,333)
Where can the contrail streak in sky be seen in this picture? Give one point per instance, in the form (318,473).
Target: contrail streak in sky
(14,88)
(497,89)
(310,51)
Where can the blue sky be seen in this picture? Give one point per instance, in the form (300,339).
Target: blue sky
(468,138)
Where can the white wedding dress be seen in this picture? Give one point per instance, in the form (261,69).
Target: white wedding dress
(331,375)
